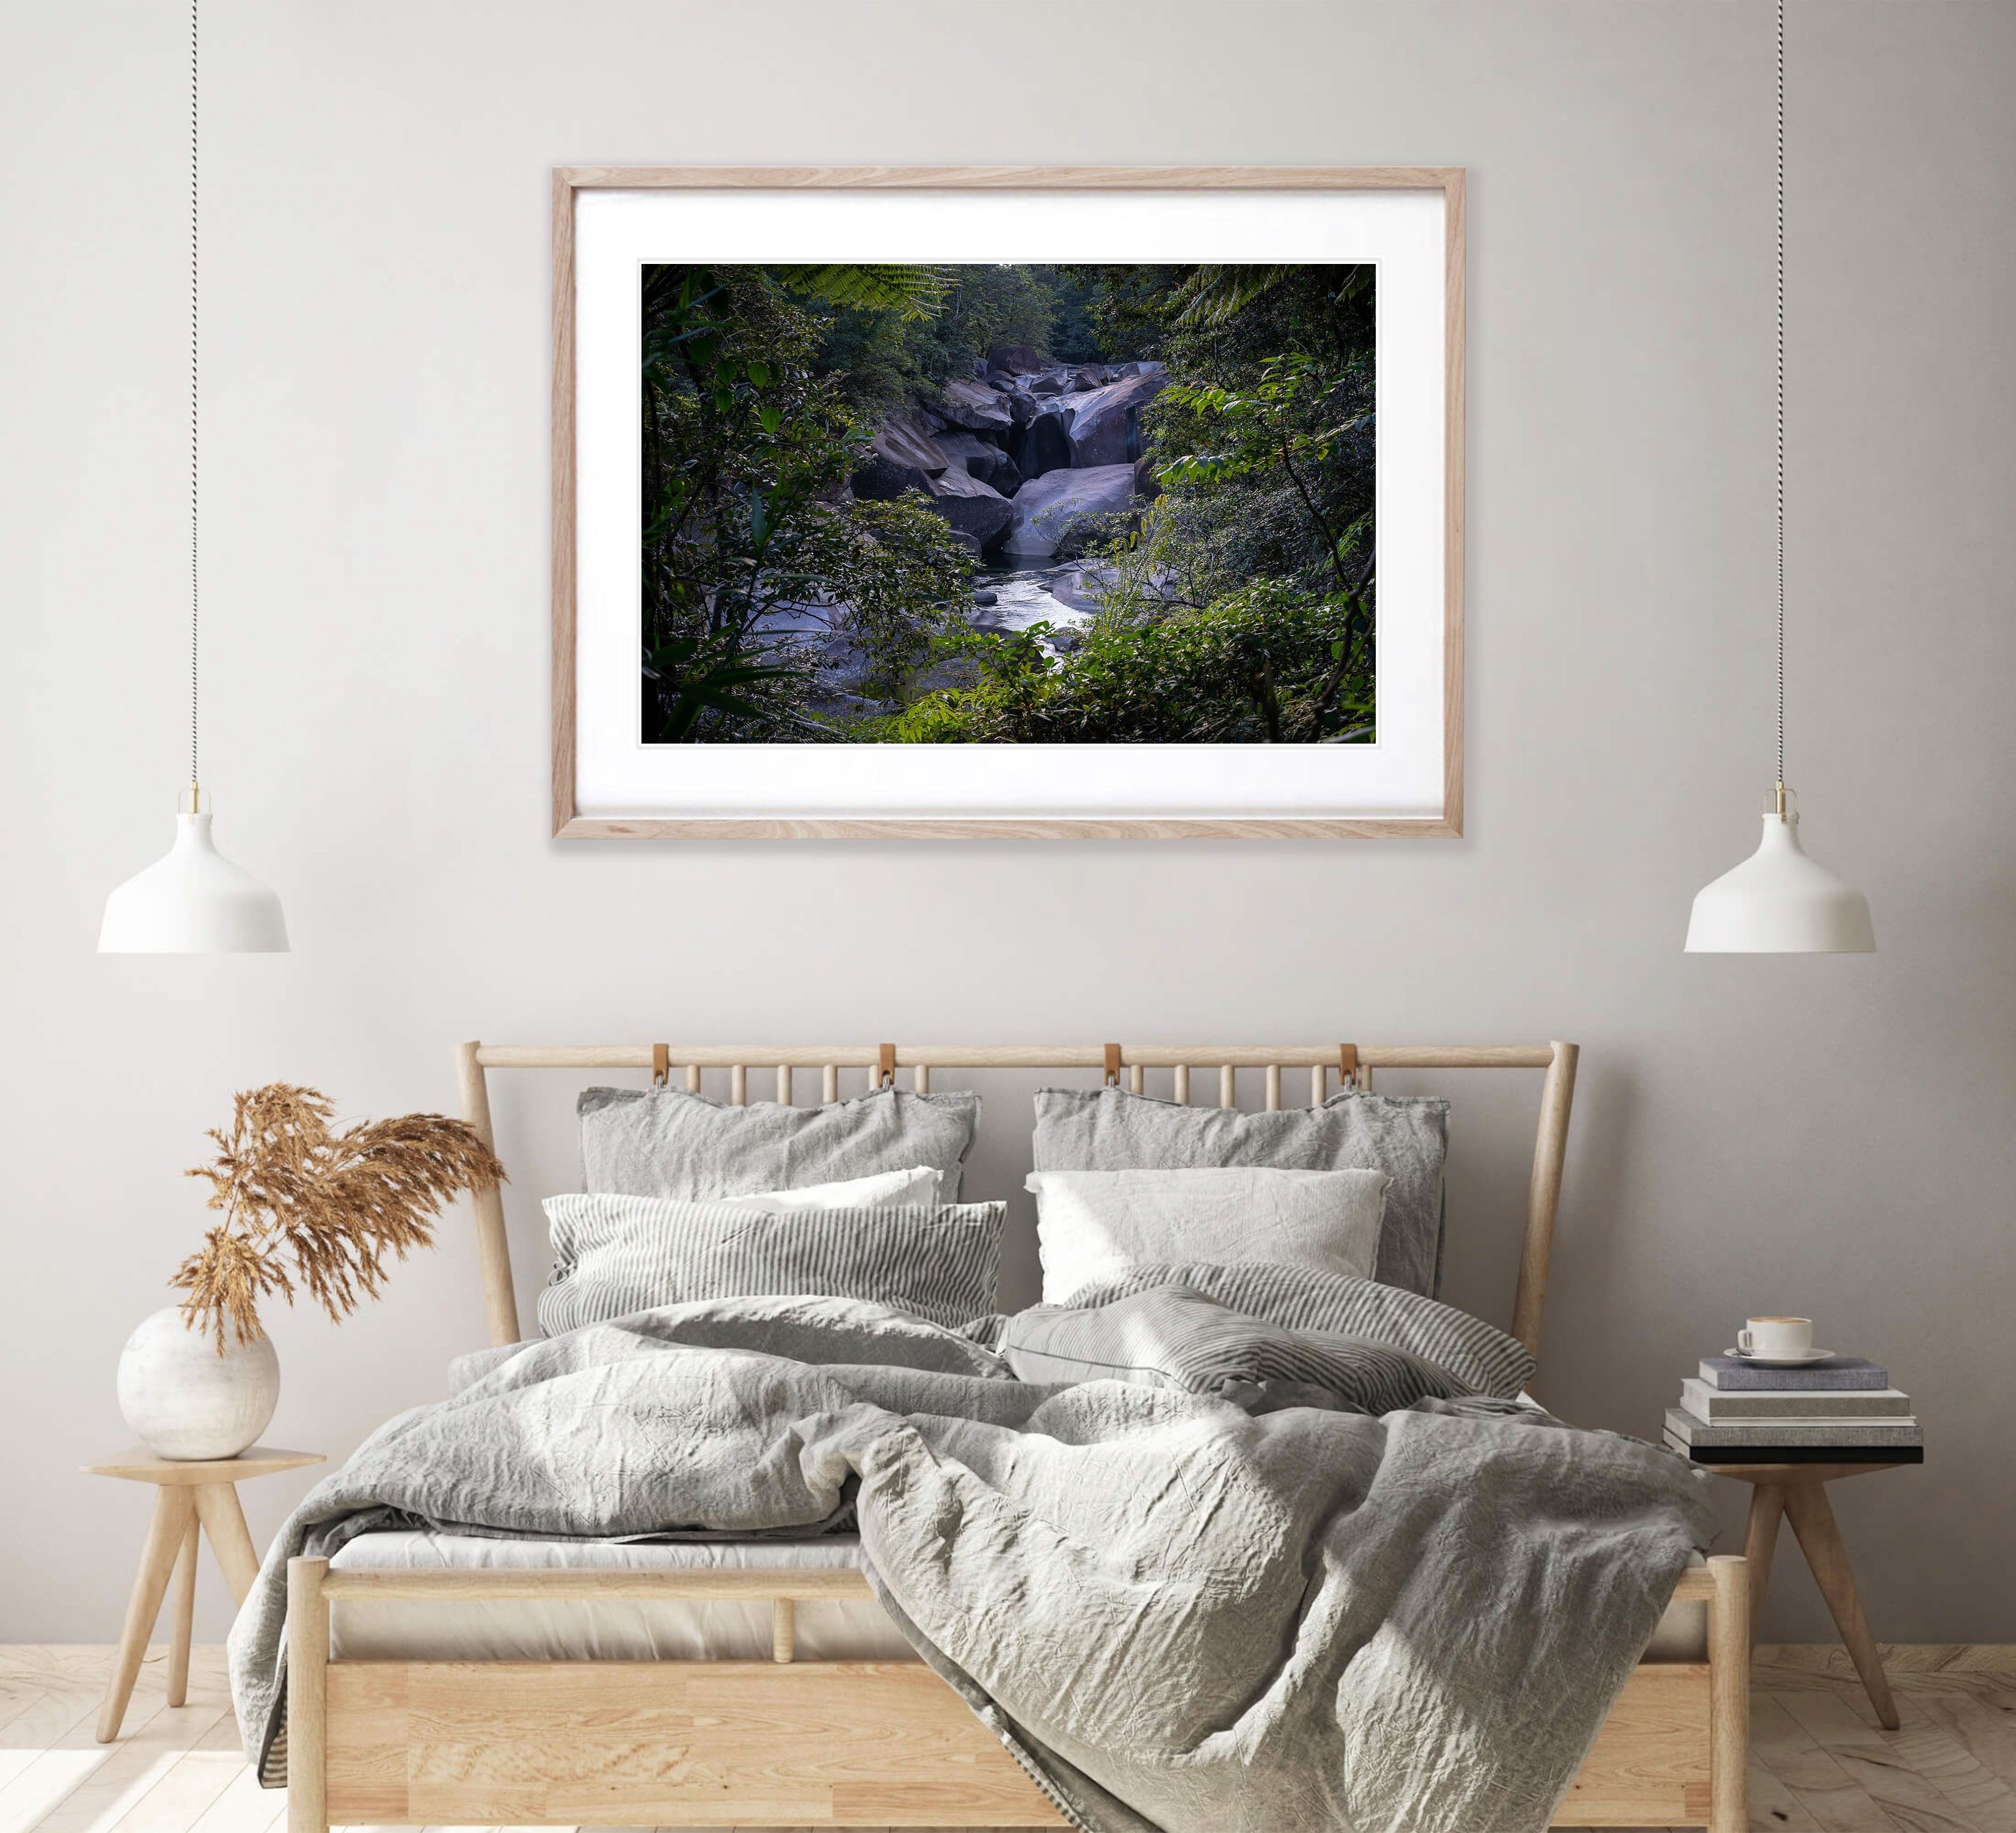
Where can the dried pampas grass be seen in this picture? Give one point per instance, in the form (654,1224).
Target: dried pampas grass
(304,1205)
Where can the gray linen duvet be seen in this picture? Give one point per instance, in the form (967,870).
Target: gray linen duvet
(1176,1613)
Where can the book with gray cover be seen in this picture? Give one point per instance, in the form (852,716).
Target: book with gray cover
(1717,1406)
(1838,1375)
(1692,1433)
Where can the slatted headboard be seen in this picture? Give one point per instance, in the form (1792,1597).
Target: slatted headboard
(1355,1063)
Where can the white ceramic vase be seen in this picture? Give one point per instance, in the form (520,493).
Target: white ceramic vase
(186,1401)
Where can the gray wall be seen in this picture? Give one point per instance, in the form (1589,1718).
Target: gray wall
(1833,1135)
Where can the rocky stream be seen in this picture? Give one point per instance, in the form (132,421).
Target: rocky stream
(1012,458)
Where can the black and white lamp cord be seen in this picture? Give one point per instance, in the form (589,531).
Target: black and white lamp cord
(195,600)
(1781,400)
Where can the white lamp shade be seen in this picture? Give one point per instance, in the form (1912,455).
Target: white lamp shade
(1778,902)
(193,901)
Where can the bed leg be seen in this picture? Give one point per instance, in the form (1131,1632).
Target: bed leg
(308,1697)
(1729,1695)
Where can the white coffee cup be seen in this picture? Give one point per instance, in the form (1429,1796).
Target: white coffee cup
(1772,1338)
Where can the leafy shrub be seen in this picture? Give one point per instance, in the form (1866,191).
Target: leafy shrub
(1262,664)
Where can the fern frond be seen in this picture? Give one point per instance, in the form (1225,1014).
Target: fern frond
(910,292)
(1215,294)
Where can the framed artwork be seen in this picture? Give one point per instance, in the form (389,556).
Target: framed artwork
(1027,503)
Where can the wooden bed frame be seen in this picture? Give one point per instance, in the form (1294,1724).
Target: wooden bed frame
(861,1744)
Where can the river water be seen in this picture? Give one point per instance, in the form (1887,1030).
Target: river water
(1058,594)
(1026,595)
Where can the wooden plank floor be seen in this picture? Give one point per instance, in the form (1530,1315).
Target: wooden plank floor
(1819,1762)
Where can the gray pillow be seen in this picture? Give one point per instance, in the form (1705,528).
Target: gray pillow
(614,1256)
(1172,1337)
(1327,1308)
(1405,1137)
(666,1143)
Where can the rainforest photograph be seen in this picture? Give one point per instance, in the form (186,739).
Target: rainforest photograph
(1009,504)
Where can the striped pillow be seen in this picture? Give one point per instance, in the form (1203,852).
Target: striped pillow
(613,1255)
(1481,1357)
(1172,1337)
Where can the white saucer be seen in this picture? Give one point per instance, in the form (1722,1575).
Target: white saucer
(1810,1357)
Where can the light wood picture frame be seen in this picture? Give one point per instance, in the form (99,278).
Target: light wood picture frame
(651,797)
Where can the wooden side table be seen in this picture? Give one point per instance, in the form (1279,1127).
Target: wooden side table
(1797,1492)
(190,1499)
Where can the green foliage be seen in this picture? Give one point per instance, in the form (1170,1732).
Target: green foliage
(688,677)
(909,292)
(884,360)
(1268,453)
(1130,308)
(1277,419)
(904,579)
(1262,665)
(1284,419)
(1212,296)
(755,561)
(1073,334)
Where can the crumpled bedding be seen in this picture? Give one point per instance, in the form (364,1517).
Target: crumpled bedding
(1176,1614)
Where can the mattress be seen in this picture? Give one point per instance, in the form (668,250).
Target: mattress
(670,1629)
(606,1629)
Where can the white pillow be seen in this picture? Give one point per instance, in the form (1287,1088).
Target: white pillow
(886,1189)
(1094,1225)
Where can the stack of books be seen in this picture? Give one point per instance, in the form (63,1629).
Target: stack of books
(1843,1410)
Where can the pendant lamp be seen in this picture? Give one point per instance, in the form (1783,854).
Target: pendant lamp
(1779,902)
(193,900)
